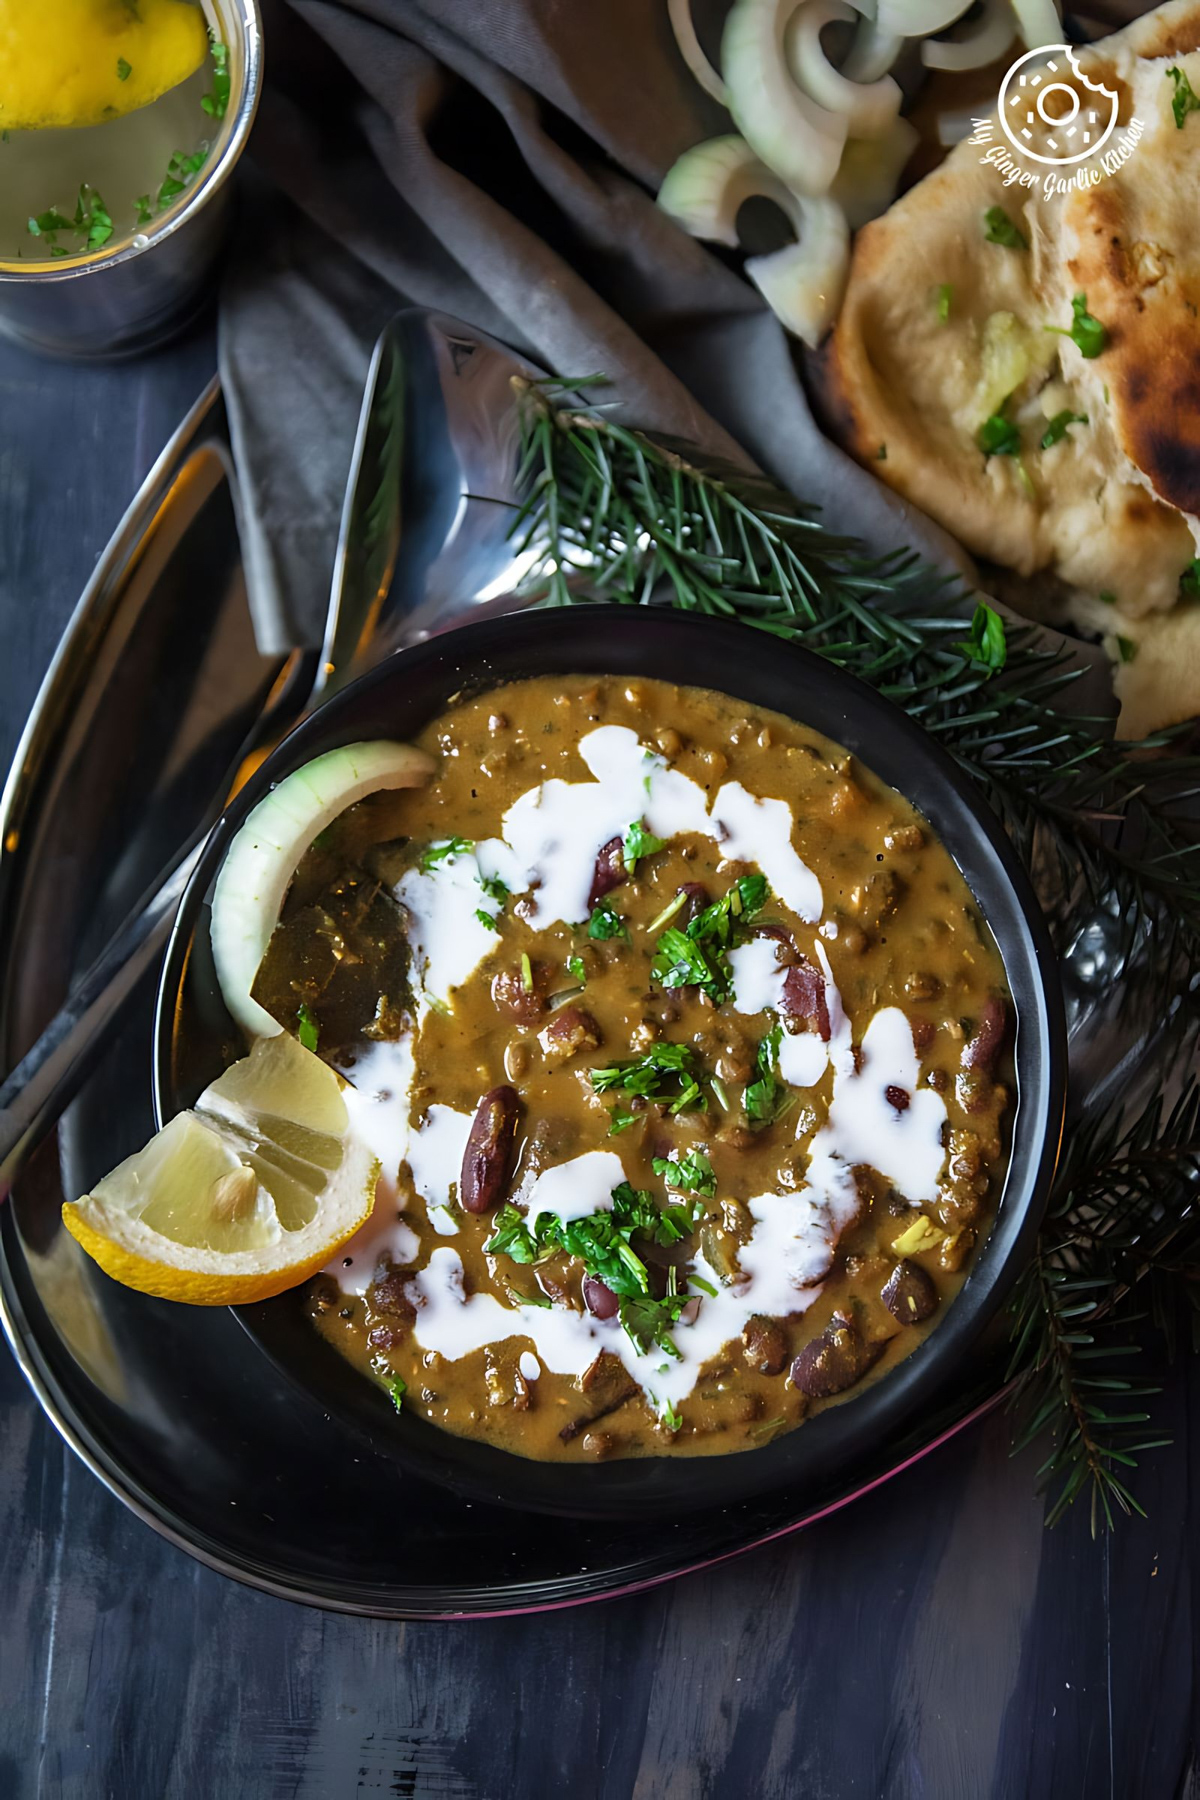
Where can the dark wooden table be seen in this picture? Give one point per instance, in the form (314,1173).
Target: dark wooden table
(933,1641)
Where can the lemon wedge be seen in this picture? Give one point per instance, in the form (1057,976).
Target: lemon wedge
(249,1193)
(80,62)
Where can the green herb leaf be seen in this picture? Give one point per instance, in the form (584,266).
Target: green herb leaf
(143,210)
(1001,230)
(486,918)
(1056,430)
(987,643)
(1087,334)
(1189,581)
(124,69)
(606,922)
(696,956)
(1185,99)
(945,295)
(307,1030)
(493,887)
(577,968)
(47,222)
(1107,596)
(621,1121)
(445,850)
(639,842)
(653,1075)
(1126,649)
(216,102)
(998,436)
(397,1388)
(765,1095)
(691,1173)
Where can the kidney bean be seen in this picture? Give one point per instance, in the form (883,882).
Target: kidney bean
(909,1294)
(803,997)
(487,1160)
(609,871)
(599,1298)
(835,1360)
(764,1345)
(569,1031)
(695,900)
(389,1295)
(984,1046)
(510,995)
(898,1098)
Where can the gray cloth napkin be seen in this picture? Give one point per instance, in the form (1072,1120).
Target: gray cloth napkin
(498,160)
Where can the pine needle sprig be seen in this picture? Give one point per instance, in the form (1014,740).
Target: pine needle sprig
(612,513)
(1121,1243)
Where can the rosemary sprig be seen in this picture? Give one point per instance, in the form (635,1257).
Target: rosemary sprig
(611,513)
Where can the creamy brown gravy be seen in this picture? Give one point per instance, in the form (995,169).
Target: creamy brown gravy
(908,935)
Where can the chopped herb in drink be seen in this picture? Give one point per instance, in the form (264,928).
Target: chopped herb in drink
(216,102)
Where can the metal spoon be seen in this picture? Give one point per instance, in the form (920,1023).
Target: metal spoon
(423,543)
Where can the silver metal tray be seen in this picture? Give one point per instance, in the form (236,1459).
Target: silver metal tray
(142,711)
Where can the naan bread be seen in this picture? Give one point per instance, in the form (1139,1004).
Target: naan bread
(1108,519)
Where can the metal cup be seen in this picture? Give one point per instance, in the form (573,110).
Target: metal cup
(145,286)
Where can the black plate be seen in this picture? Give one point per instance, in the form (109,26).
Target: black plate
(196,1036)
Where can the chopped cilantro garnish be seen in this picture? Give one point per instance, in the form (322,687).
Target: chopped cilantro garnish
(621,1121)
(691,1173)
(124,69)
(1189,581)
(308,1032)
(998,436)
(603,1243)
(397,1388)
(1126,649)
(766,1093)
(47,222)
(216,103)
(881,453)
(143,209)
(671,1417)
(606,922)
(493,887)
(987,643)
(1056,430)
(945,295)
(696,955)
(180,169)
(639,842)
(1107,596)
(652,1076)
(1001,230)
(93,221)
(445,851)
(486,918)
(1087,334)
(1185,99)
(577,968)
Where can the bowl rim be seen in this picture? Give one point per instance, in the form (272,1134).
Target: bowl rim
(216,173)
(616,640)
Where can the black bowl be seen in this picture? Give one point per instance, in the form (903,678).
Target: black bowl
(195,1038)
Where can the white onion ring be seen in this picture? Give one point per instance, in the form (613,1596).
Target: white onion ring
(799,140)
(919,18)
(803,284)
(868,107)
(1038,22)
(870,172)
(983,42)
(872,53)
(680,14)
